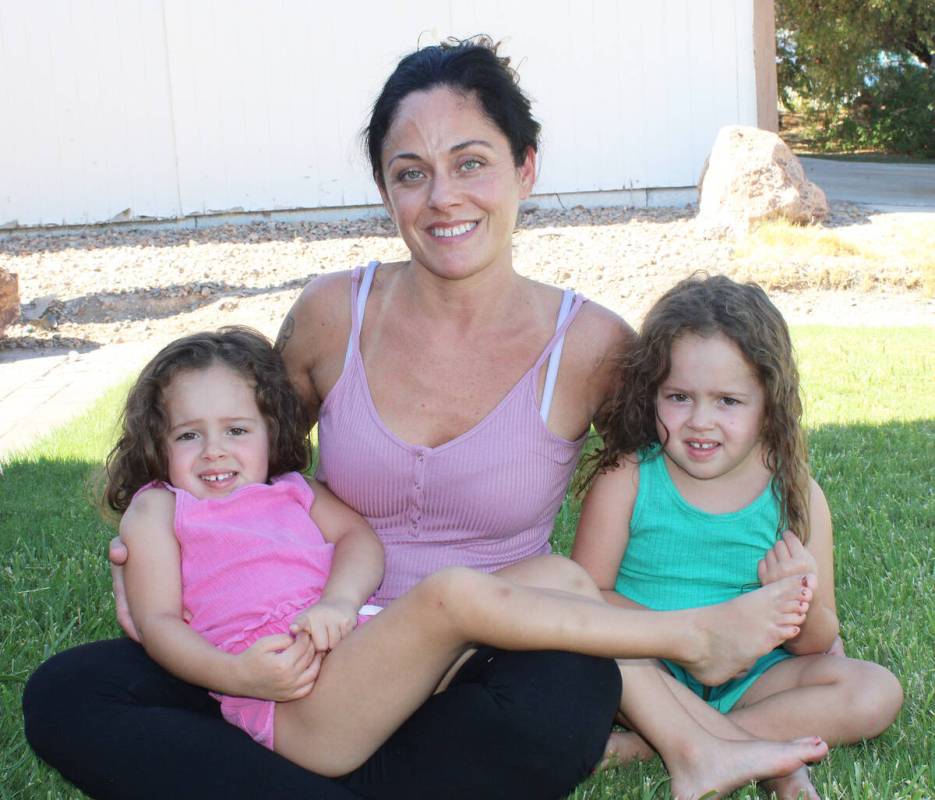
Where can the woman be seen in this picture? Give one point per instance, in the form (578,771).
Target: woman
(453,397)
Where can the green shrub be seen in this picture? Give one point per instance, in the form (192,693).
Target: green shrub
(894,113)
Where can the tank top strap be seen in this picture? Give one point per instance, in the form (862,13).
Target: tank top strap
(157,484)
(361,280)
(571,304)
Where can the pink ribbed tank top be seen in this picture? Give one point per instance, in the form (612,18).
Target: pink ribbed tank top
(486,499)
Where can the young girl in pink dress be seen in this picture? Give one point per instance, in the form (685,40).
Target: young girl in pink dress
(250,580)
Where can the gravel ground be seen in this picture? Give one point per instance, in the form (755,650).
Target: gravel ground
(81,290)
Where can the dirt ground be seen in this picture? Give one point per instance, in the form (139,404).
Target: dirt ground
(81,290)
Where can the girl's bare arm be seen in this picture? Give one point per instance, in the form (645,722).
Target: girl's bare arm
(821,624)
(604,528)
(276,668)
(790,557)
(356,570)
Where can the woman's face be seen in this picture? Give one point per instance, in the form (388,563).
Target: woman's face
(451,185)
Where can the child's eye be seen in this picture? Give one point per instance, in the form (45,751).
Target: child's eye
(471,165)
(410,175)
(237,431)
(730,401)
(186,437)
(678,397)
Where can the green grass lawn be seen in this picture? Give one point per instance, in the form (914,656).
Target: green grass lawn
(871,417)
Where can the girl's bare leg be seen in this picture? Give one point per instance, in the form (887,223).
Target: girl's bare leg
(715,735)
(734,634)
(553,572)
(715,647)
(381,673)
(842,699)
(702,750)
(796,785)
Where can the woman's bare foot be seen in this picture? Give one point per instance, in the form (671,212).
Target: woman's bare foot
(717,768)
(732,635)
(623,747)
(797,786)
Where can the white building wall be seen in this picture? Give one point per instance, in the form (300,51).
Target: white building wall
(169,108)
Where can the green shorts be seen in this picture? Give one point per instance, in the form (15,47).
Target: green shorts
(725,696)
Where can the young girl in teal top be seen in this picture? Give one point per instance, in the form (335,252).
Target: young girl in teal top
(702,493)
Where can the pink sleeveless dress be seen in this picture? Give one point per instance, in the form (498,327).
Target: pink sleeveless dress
(251,561)
(486,499)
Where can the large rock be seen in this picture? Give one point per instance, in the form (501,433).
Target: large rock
(9,299)
(751,176)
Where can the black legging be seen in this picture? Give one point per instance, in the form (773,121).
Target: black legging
(510,725)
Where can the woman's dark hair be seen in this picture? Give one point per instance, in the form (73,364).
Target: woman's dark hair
(468,67)
(708,306)
(140,455)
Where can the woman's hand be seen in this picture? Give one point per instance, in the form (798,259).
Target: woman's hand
(786,558)
(326,623)
(278,668)
(117,553)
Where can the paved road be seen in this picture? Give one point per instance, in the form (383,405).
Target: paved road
(884,187)
(40,391)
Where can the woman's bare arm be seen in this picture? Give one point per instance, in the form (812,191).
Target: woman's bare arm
(313,337)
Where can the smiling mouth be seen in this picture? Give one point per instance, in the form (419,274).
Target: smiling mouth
(218,477)
(702,445)
(450,232)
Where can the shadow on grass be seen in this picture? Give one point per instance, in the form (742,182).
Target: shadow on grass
(878,478)
(53,546)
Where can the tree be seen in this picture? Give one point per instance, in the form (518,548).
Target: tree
(862,72)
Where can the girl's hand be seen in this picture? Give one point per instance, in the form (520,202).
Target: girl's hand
(326,623)
(837,647)
(278,668)
(787,557)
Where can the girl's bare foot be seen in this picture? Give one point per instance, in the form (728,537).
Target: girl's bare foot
(713,770)
(732,635)
(623,747)
(796,786)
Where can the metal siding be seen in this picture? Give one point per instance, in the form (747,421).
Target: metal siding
(86,133)
(178,107)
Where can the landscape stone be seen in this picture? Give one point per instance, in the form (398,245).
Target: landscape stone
(9,298)
(750,177)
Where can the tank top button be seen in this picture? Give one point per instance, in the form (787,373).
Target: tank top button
(419,456)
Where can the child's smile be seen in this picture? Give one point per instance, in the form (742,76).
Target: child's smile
(709,410)
(217,440)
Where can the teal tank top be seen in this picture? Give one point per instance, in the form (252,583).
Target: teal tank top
(679,556)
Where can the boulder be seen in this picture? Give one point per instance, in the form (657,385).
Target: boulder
(9,299)
(752,176)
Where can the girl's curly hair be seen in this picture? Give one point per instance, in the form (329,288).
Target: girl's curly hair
(140,455)
(707,306)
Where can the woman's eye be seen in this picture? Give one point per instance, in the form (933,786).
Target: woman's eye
(471,164)
(409,175)
(730,401)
